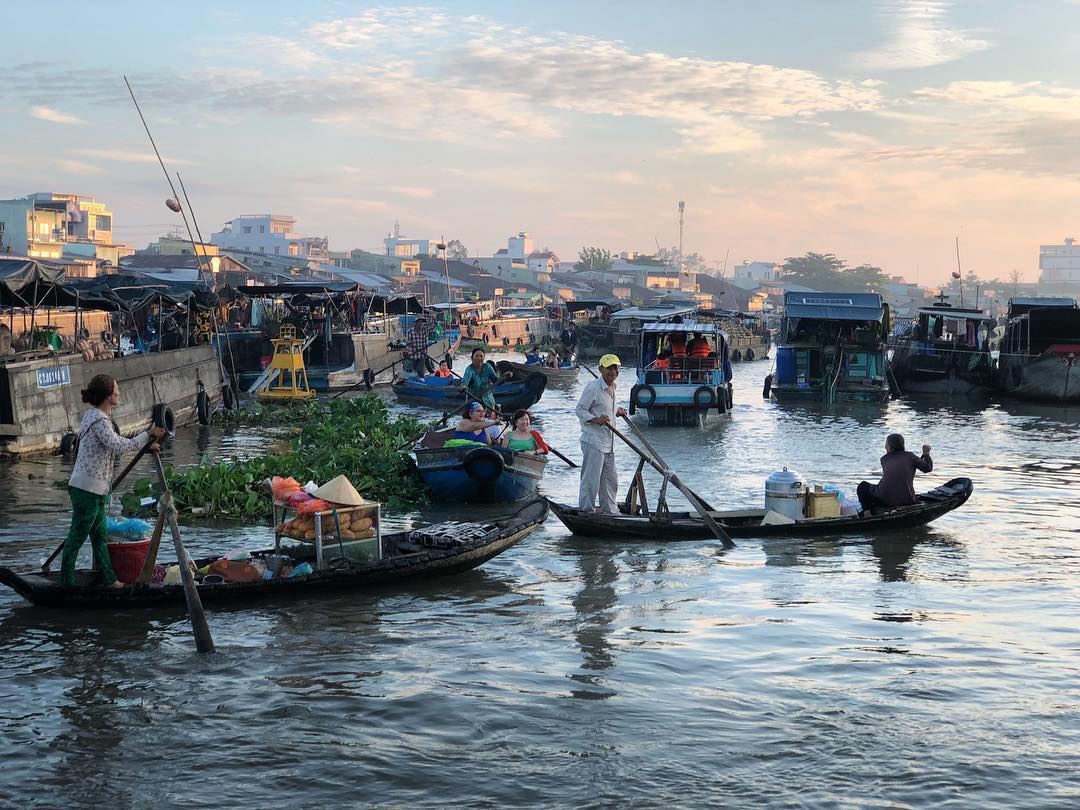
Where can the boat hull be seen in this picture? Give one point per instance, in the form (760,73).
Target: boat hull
(457,475)
(817,393)
(554,375)
(443,393)
(1049,378)
(922,370)
(45,590)
(747,523)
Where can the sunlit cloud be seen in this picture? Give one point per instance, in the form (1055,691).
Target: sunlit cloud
(55,116)
(413,191)
(129,156)
(79,168)
(919,37)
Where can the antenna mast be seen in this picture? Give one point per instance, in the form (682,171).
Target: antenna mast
(682,208)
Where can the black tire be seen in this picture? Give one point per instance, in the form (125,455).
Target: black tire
(228,398)
(202,407)
(429,363)
(69,445)
(633,400)
(483,465)
(369,377)
(736,356)
(749,355)
(729,396)
(106,337)
(162,417)
(506,341)
(767,388)
(645,396)
(705,397)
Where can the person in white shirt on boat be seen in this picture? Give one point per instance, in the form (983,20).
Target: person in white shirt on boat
(595,409)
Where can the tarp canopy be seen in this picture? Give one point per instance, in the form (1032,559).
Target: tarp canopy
(654,313)
(727,313)
(298,288)
(662,328)
(834,306)
(576,306)
(28,283)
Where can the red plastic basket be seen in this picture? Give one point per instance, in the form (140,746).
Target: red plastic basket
(127,559)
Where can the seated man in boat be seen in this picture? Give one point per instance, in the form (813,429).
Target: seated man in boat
(898,466)
(477,427)
(532,356)
(521,438)
(443,370)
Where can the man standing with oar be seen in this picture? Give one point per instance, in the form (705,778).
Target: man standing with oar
(595,409)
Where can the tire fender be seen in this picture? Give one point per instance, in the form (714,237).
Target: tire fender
(645,396)
(705,397)
(202,407)
(483,465)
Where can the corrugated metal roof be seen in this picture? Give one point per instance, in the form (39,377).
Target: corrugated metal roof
(369,280)
(685,326)
(834,306)
(652,313)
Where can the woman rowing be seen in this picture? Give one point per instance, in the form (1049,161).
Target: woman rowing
(91,480)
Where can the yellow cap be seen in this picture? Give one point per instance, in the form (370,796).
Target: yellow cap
(609,360)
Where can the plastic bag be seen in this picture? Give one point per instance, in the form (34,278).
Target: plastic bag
(312,506)
(297,498)
(127,528)
(282,487)
(302,570)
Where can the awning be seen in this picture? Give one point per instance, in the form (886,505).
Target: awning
(834,306)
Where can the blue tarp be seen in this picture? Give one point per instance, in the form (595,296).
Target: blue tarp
(834,306)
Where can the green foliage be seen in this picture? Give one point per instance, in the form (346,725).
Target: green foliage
(649,261)
(593,258)
(826,272)
(351,436)
(456,250)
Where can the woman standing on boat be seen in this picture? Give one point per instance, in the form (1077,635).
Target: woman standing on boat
(91,480)
(479,377)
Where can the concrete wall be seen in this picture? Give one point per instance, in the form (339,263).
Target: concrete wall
(41,417)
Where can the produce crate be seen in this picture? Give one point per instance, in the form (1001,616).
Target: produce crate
(360,537)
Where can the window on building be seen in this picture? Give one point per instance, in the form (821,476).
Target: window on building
(262,249)
(247,229)
(262,229)
(103,223)
(277,249)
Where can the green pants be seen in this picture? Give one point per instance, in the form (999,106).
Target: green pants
(87,518)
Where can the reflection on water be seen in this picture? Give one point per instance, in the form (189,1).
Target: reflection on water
(834,659)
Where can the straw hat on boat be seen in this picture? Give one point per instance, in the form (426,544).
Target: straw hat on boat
(340,491)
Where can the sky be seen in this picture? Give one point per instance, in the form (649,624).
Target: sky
(878,131)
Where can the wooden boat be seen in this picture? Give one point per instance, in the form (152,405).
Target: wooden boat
(403,560)
(940,353)
(1040,350)
(476,473)
(562,374)
(831,348)
(747,523)
(520,391)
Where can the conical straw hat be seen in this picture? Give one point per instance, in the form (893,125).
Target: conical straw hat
(340,490)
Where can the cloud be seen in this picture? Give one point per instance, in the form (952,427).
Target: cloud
(79,167)
(352,204)
(413,191)
(130,156)
(55,116)
(919,37)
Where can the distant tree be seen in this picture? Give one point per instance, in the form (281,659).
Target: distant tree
(866,276)
(593,258)
(649,261)
(828,273)
(692,262)
(456,250)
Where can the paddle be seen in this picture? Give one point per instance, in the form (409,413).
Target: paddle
(150,560)
(203,641)
(670,475)
(116,482)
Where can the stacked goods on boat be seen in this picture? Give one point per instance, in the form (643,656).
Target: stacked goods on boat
(789,500)
(334,515)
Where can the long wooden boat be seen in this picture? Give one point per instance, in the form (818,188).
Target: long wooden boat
(476,473)
(747,522)
(1040,350)
(403,560)
(563,374)
(520,391)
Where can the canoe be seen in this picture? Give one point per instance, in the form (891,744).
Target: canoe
(747,522)
(404,560)
(562,374)
(476,473)
(520,391)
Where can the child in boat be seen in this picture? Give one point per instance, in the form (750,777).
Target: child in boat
(91,480)
(521,438)
(443,370)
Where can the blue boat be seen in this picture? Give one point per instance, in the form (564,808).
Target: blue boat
(521,390)
(476,473)
(675,387)
(831,347)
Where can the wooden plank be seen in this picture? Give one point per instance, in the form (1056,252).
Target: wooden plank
(151,554)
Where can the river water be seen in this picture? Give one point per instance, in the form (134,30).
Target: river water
(934,666)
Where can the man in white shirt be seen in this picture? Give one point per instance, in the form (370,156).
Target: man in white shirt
(595,409)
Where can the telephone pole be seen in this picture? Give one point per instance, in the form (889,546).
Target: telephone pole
(682,209)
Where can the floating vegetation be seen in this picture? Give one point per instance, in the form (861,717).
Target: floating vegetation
(356,437)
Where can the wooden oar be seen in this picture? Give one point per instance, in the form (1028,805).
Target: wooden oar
(203,641)
(649,445)
(116,482)
(670,475)
(150,560)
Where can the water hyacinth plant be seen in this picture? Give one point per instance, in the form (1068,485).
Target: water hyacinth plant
(352,436)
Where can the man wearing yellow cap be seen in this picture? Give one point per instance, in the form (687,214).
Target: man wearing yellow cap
(595,409)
